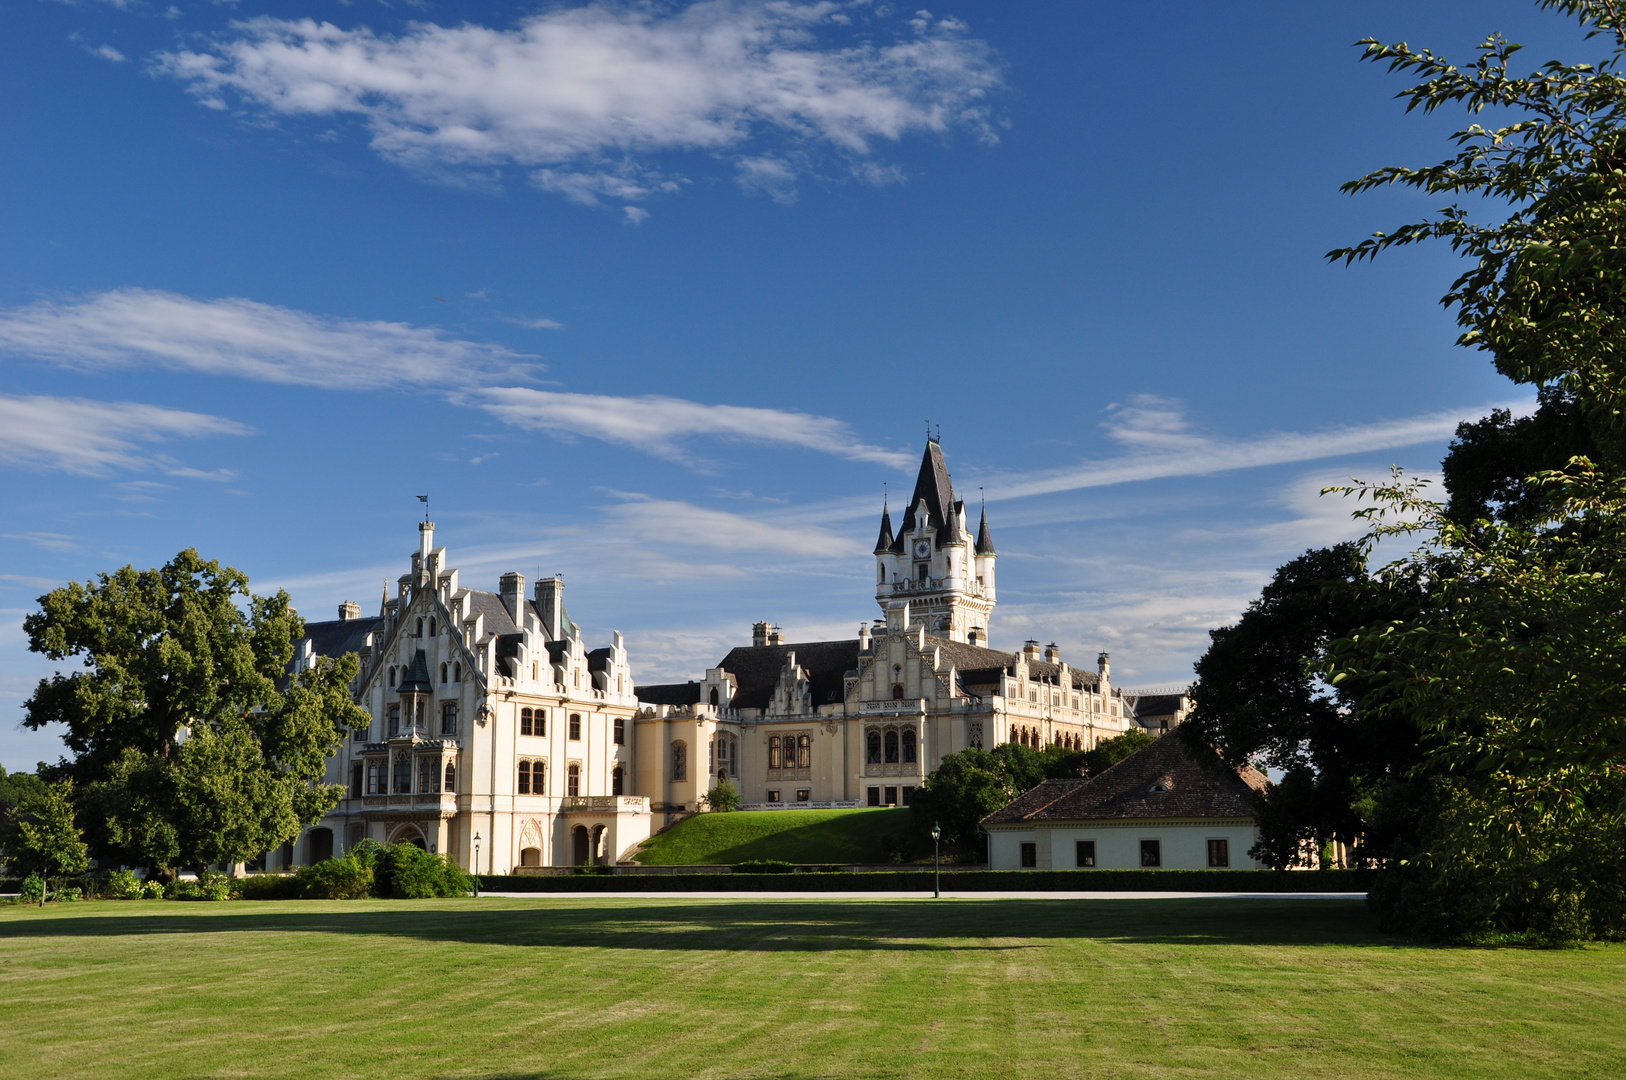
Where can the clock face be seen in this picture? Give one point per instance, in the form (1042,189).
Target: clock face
(923,549)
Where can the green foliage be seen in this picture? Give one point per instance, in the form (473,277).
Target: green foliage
(152,889)
(210,885)
(123,885)
(345,878)
(407,872)
(185,750)
(33,890)
(764,866)
(271,887)
(1489,467)
(723,796)
(38,834)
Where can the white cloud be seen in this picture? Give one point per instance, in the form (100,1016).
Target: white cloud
(535,324)
(663,425)
(93,438)
(635,215)
(584,92)
(107,52)
(1163,443)
(247,339)
(663,522)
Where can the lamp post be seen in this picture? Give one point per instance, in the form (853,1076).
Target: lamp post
(937,864)
(476,866)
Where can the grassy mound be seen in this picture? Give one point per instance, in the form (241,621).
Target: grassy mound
(797,836)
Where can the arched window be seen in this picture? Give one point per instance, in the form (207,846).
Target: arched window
(431,627)
(804,752)
(897,691)
(403,774)
(420,628)
(714,696)
(573,780)
(618,779)
(872,748)
(680,761)
(457,672)
(392,678)
(909,755)
(892,748)
(775,760)
(428,775)
(524,778)
(451,779)
(525,721)
(444,672)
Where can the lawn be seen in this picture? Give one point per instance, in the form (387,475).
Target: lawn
(798,836)
(669,988)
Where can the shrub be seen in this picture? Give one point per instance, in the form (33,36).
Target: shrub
(271,887)
(407,872)
(181,890)
(124,885)
(764,866)
(347,878)
(591,869)
(152,890)
(724,796)
(33,889)
(213,885)
(72,892)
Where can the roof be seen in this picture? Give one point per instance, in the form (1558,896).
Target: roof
(1195,783)
(335,637)
(683,693)
(489,604)
(599,659)
(417,676)
(934,486)
(883,542)
(985,539)
(1158,704)
(756,670)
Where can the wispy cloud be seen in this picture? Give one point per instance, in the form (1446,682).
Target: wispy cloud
(664,522)
(1162,442)
(95,438)
(247,339)
(587,95)
(664,426)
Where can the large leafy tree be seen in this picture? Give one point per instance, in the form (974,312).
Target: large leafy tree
(190,744)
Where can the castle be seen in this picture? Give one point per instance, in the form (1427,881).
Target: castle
(500,739)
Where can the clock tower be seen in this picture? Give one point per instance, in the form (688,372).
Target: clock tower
(932,563)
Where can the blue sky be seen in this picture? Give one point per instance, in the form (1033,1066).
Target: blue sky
(658,297)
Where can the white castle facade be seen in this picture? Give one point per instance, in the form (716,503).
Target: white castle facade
(500,739)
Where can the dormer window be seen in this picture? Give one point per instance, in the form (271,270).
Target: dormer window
(1163,784)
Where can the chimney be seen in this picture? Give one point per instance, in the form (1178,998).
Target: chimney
(863,637)
(349,610)
(426,539)
(759,635)
(511,587)
(1103,665)
(1030,650)
(776,638)
(550,600)
(1052,654)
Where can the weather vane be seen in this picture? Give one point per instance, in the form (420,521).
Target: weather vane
(425,500)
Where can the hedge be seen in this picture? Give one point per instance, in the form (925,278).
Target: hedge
(1252,881)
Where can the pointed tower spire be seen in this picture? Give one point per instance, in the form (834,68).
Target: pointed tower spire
(884,541)
(985,539)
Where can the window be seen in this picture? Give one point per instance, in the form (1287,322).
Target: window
(874,794)
(804,794)
(403,775)
(908,793)
(773,794)
(355,789)
(714,696)
(920,572)
(618,781)
(891,796)
(620,735)
(897,691)
(417,713)
(573,780)
(448,718)
(428,776)
(1084,854)
(909,755)
(1030,856)
(892,748)
(974,734)
(373,772)
(1151,853)
(445,670)
(576,726)
(431,627)
(1219,853)
(451,778)
(680,761)
(524,778)
(872,750)
(539,778)
(804,751)
(420,628)
(395,719)
(525,722)
(457,672)
(392,678)
(775,758)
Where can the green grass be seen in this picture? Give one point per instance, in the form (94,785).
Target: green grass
(656,988)
(798,836)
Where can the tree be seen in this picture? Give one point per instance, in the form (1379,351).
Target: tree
(1261,698)
(38,834)
(723,796)
(185,750)
(1489,466)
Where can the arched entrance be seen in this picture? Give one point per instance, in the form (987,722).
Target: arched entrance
(579,851)
(530,856)
(598,845)
(409,834)
(319,845)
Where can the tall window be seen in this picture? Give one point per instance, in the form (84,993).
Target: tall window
(872,748)
(575,725)
(1030,856)
(539,778)
(775,760)
(573,780)
(909,752)
(1219,853)
(372,778)
(525,721)
(457,672)
(448,718)
(524,778)
(403,775)
(620,731)
(892,748)
(897,691)
(618,781)
(420,628)
(428,777)
(392,678)
(451,779)
(804,752)
(714,696)
(445,670)
(680,761)
(417,712)
(1151,853)
(1084,853)
(431,627)
(395,718)
(355,781)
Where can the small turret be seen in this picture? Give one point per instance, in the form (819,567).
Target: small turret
(985,539)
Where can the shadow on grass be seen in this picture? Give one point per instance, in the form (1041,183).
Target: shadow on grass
(767,926)
(850,837)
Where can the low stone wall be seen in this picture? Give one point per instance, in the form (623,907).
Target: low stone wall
(711,879)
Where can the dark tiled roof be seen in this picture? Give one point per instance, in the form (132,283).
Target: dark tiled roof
(599,659)
(683,693)
(883,542)
(756,670)
(985,539)
(933,485)
(1158,705)
(1051,673)
(498,621)
(1197,782)
(336,637)
(417,676)
(975,665)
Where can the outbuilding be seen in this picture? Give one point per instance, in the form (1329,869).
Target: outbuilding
(1167,806)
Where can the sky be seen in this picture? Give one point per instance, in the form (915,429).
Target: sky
(662,298)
